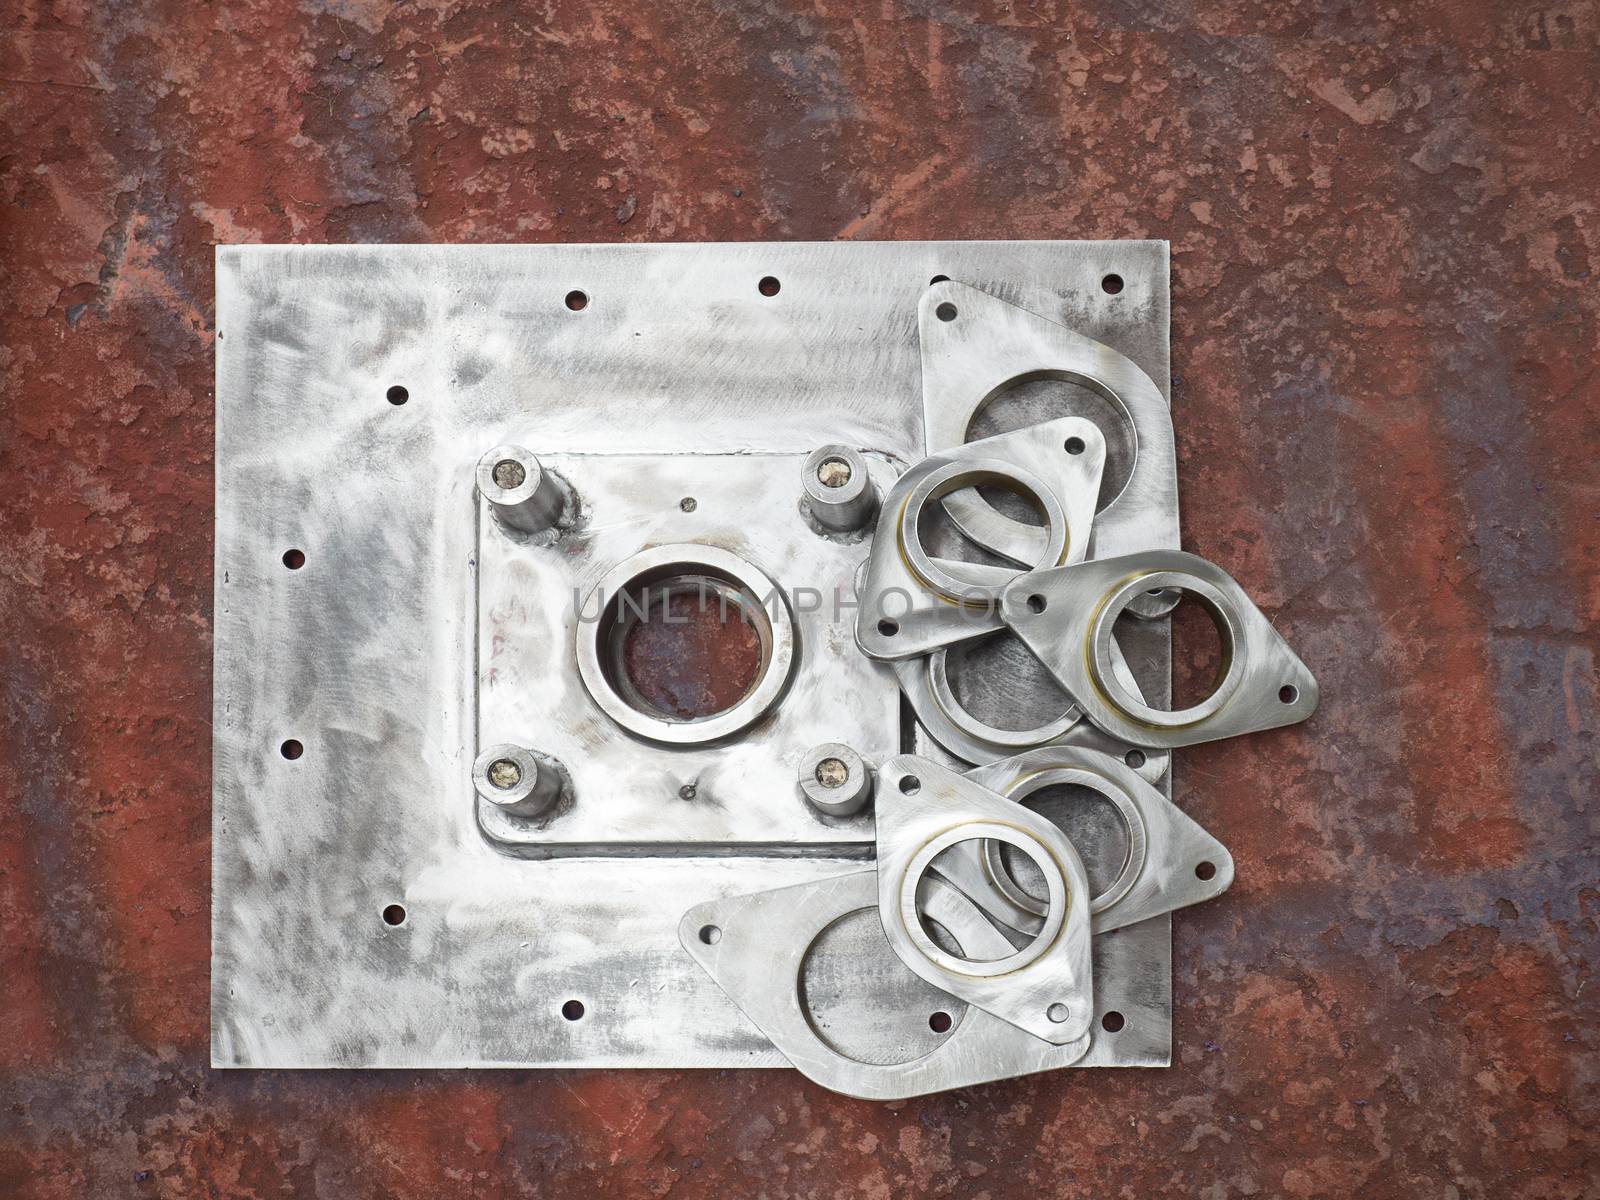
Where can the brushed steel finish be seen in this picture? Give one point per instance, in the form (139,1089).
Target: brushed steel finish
(367,654)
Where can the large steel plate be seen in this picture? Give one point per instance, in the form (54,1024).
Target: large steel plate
(363,653)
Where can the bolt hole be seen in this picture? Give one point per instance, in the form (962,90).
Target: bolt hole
(688,504)
(577,301)
(1205,870)
(688,792)
(509,474)
(910,784)
(1288,693)
(1112,1022)
(1037,603)
(938,279)
(945,311)
(888,628)
(1057,1013)
(291,749)
(294,559)
(1111,284)
(397,395)
(710,934)
(940,1022)
(769,285)
(572,1010)
(1134,758)
(394,914)
(1075,445)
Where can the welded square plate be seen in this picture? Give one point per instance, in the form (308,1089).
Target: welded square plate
(362,914)
(629,795)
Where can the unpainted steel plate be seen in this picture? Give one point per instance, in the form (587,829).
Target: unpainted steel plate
(631,796)
(361,917)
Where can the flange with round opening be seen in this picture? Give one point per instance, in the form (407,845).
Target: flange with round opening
(1133,827)
(953,477)
(739,620)
(1059,898)
(1229,634)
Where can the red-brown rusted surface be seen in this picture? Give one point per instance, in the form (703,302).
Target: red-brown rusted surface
(1384,232)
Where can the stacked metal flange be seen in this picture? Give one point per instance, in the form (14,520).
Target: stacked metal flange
(975,893)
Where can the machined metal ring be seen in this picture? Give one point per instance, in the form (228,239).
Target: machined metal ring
(984,831)
(953,477)
(945,697)
(1101,639)
(737,583)
(1132,821)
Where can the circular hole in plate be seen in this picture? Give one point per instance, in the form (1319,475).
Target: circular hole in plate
(910,784)
(1037,603)
(1074,445)
(1058,1013)
(1288,693)
(867,1005)
(1112,1022)
(577,300)
(397,395)
(394,914)
(1111,285)
(1040,396)
(684,643)
(946,311)
(938,279)
(940,1022)
(888,628)
(1135,758)
(1206,870)
(688,504)
(294,559)
(573,1010)
(769,285)
(291,749)
(1094,826)
(710,934)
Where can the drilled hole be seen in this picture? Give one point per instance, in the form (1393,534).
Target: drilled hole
(940,1022)
(688,504)
(577,301)
(1288,693)
(945,311)
(1074,445)
(394,914)
(710,934)
(572,1010)
(1112,1022)
(910,784)
(291,749)
(1205,870)
(397,394)
(294,559)
(1134,758)
(1111,284)
(1037,603)
(938,279)
(769,285)
(888,628)
(1058,1013)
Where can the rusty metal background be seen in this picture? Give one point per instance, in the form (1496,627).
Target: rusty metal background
(1383,230)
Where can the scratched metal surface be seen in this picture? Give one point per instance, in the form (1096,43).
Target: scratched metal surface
(367,654)
(1384,317)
